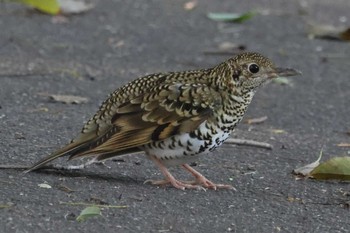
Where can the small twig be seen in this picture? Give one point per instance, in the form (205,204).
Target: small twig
(256,120)
(91,204)
(245,142)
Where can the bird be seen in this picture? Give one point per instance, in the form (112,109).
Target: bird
(174,117)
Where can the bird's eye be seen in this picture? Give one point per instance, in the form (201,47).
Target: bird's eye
(253,68)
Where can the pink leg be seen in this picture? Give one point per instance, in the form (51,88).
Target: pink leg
(200,179)
(169,178)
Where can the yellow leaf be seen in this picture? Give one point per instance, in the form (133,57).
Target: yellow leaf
(335,168)
(47,6)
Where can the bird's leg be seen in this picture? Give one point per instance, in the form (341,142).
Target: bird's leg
(201,180)
(169,178)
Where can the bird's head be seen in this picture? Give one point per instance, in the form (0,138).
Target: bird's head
(248,71)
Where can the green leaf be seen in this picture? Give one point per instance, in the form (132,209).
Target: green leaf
(47,6)
(335,168)
(231,17)
(283,81)
(4,206)
(89,212)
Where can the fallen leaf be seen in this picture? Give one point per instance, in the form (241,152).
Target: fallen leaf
(4,206)
(231,17)
(343,144)
(65,189)
(277,131)
(190,5)
(283,81)
(224,46)
(89,212)
(307,169)
(44,186)
(69,99)
(19,135)
(328,32)
(74,6)
(227,48)
(335,168)
(258,120)
(47,6)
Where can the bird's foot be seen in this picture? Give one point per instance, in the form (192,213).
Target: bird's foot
(200,183)
(176,183)
(204,182)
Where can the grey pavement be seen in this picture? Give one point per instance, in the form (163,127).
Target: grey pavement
(117,41)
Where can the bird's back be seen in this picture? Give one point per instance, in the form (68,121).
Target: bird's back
(126,119)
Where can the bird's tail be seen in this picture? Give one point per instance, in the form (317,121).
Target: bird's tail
(72,148)
(80,147)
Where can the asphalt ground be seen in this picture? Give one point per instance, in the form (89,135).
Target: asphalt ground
(117,41)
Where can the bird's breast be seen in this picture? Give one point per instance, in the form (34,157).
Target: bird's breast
(185,147)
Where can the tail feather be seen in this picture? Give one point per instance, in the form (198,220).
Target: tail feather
(70,149)
(77,147)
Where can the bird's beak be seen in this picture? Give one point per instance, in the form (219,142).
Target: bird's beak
(285,72)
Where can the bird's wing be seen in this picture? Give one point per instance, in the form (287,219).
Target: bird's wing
(149,108)
(164,111)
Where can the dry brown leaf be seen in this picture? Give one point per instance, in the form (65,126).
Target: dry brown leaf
(307,169)
(328,32)
(228,48)
(343,144)
(190,5)
(69,99)
(65,189)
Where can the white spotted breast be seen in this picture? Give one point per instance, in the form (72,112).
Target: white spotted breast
(185,148)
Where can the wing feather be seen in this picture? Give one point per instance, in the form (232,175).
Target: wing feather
(124,124)
(158,115)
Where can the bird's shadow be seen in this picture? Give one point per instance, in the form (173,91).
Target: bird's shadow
(117,178)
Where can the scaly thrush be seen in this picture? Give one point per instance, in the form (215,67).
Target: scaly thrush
(173,117)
